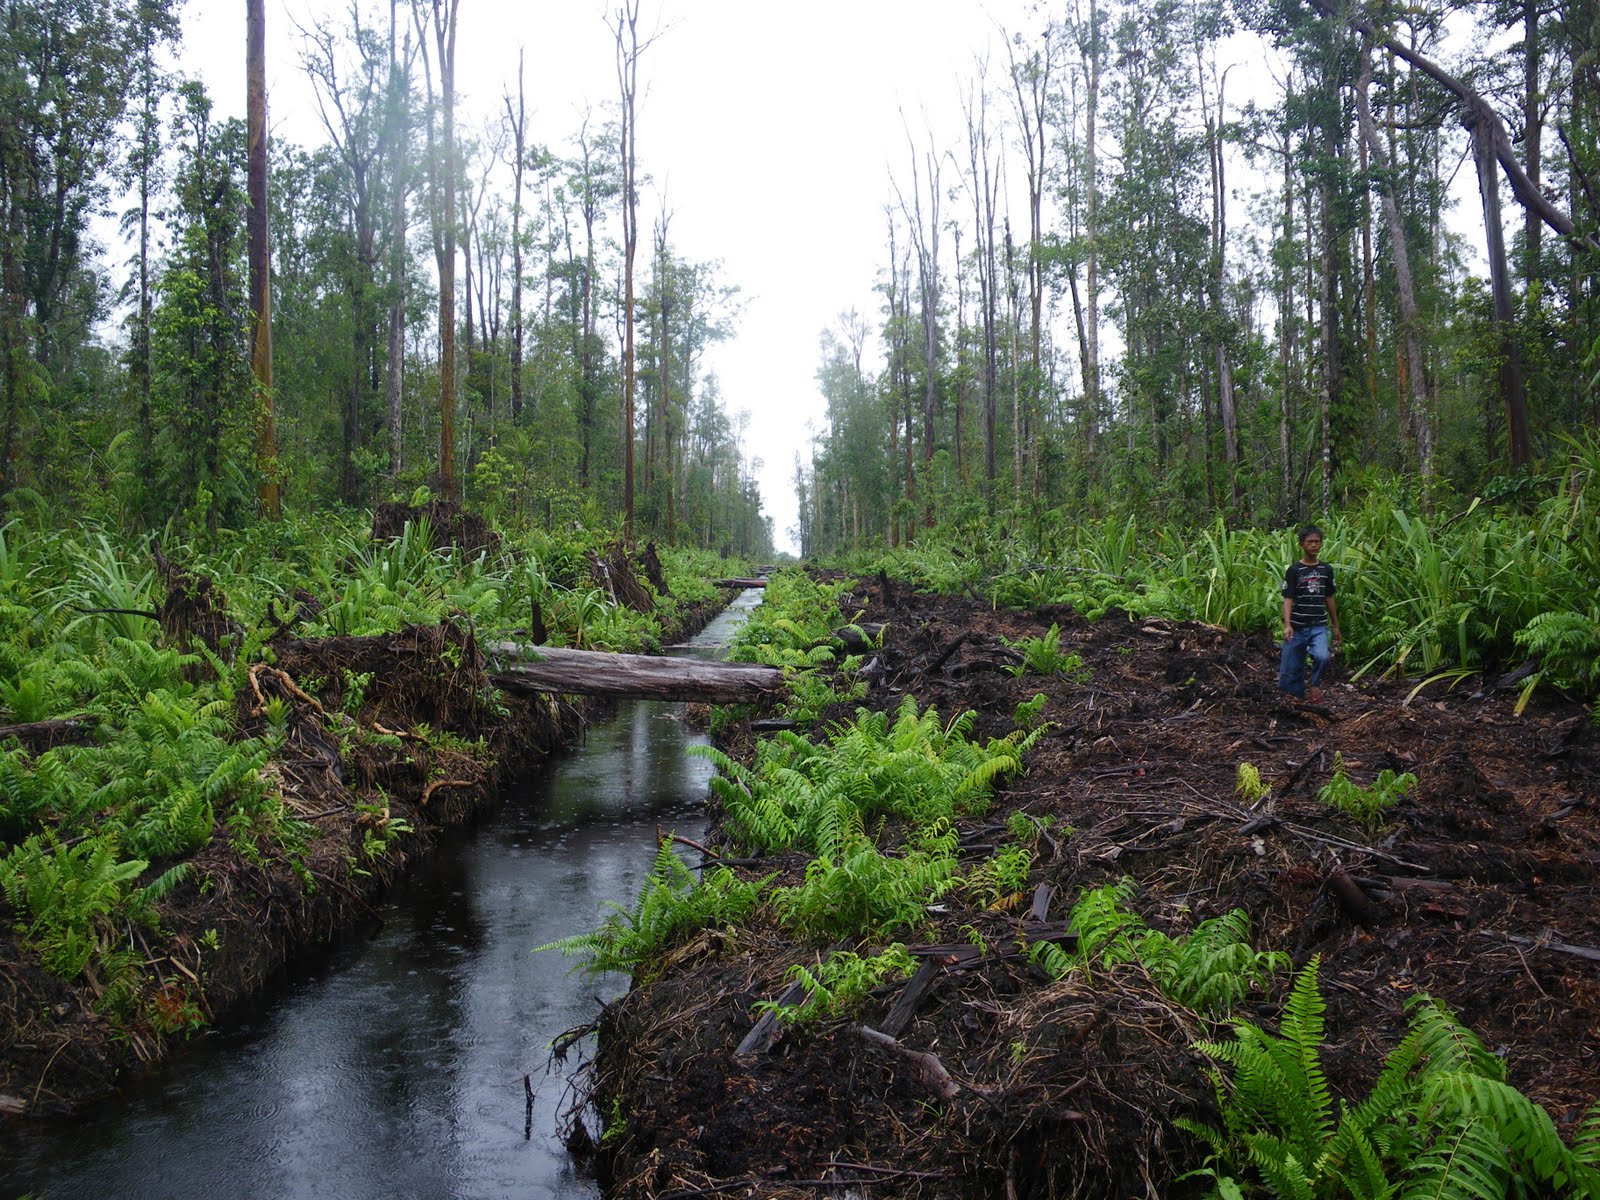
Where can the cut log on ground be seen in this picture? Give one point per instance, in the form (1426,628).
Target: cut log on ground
(739,583)
(39,736)
(642,676)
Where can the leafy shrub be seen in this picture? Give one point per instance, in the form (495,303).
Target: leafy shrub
(802,794)
(1000,880)
(69,894)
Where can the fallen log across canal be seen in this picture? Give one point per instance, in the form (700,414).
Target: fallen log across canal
(637,676)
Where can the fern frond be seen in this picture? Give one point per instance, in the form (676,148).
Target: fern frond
(1465,1163)
(1446,1044)
(1524,1127)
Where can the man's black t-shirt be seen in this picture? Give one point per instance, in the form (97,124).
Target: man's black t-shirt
(1309,588)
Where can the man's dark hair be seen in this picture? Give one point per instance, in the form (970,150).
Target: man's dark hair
(1308,531)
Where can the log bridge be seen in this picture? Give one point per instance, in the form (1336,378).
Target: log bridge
(639,676)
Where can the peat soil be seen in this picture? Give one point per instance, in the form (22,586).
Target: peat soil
(1479,888)
(389,743)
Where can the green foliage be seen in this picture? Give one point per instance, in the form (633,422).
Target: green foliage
(999,881)
(1209,969)
(1042,656)
(1568,645)
(840,984)
(1026,714)
(1458,590)
(793,628)
(672,905)
(803,794)
(851,890)
(69,895)
(1248,785)
(1367,805)
(1440,1121)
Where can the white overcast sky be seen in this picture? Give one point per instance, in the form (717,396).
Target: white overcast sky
(771,127)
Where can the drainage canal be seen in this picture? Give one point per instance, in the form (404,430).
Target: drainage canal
(393,1066)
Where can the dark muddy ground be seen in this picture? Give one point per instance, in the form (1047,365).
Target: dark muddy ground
(1479,889)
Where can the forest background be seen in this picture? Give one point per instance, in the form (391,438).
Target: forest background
(1082,310)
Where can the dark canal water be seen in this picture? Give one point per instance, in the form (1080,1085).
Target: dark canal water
(392,1066)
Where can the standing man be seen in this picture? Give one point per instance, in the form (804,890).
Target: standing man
(1308,611)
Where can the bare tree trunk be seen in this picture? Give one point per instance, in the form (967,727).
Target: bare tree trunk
(1491,143)
(1219,248)
(260,257)
(1329,324)
(1532,134)
(1286,331)
(442,180)
(519,128)
(1416,401)
(394,365)
(626,32)
(1015,314)
(1512,395)
(984,185)
(925,241)
(665,300)
(1091,368)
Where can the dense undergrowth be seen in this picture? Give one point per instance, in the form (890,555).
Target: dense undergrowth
(103,816)
(1479,586)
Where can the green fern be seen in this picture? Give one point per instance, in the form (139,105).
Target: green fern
(858,892)
(68,894)
(841,983)
(1440,1122)
(672,904)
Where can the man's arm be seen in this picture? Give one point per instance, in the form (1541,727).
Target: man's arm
(1333,616)
(1288,609)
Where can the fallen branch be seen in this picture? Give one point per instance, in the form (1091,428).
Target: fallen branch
(765,1033)
(44,734)
(1357,905)
(289,685)
(929,1069)
(1584,952)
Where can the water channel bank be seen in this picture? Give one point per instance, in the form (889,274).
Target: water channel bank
(394,1063)
(995,1066)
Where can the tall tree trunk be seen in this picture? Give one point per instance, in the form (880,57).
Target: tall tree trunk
(394,140)
(519,130)
(1091,171)
(626,31)
(666,301)
(1287,319)
(1416,400)
(1512,394)
(1532,135)
(260,257)
(1226,411)
(442,177)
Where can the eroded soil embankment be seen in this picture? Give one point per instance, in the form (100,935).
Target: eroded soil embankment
(1480,888)
(388,743)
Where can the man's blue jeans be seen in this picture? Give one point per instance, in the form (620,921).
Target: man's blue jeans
(1292,664)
